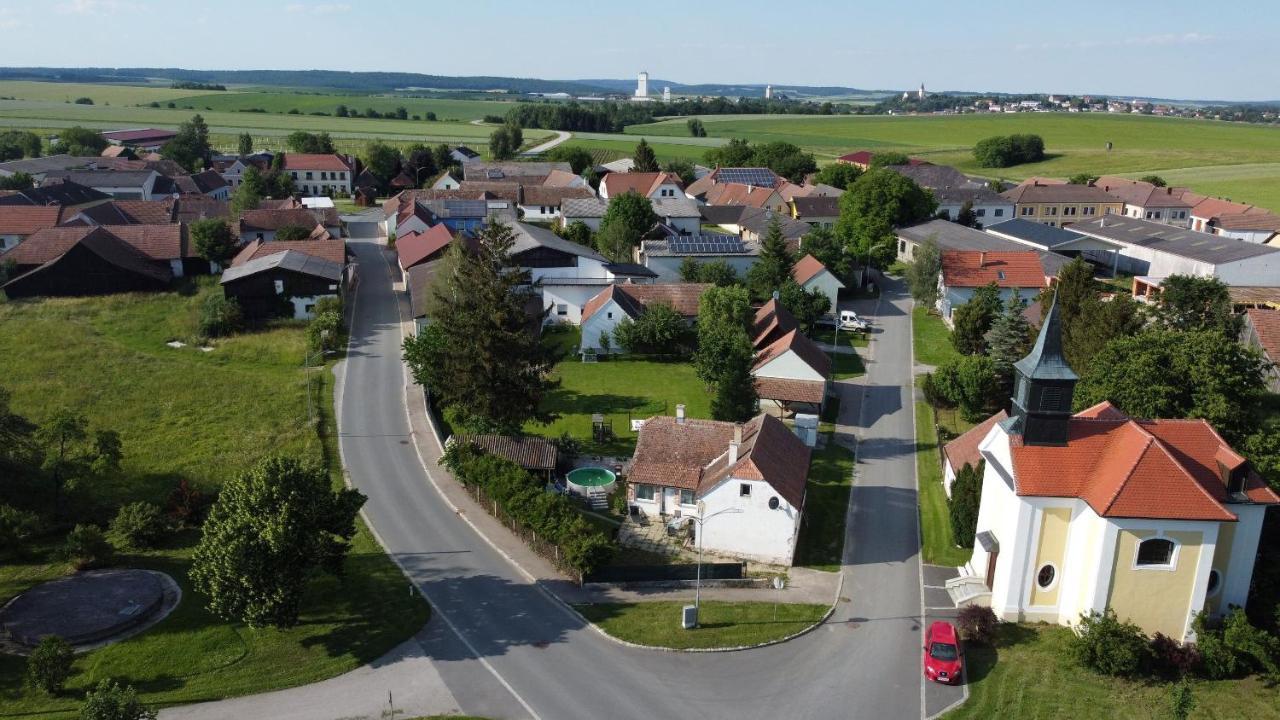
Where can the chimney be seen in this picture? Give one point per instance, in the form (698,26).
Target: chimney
(733,446)
(777,295)
(680,414)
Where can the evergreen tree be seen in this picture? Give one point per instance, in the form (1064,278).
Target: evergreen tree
(1009,339)
(966,499)
(245,144)
(973,320)
(967,216)
(923,272)
(772,268)
(645,159)
(492,369)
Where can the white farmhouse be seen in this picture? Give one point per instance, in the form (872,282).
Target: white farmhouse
(319,174)
(610,306)
(964,271)
(790,373)
(813,275)
(566,273)
(750,477)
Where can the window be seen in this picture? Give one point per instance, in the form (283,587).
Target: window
(1000,274)
(744,490)
(1069,210)
(686,497)
(609,314)
(1028,211)
(902,246)
(1215,583)
(1150,214)
(309,174)
(562,310)
(999,212)
(294,174)
(324,175)
(1051,210)
(1047,576)
(1090,210)
(1155,552)
(981,212)
(644,492)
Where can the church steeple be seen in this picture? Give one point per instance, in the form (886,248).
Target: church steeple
(1043,387)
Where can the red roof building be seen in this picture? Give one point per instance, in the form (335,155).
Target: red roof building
(974,269)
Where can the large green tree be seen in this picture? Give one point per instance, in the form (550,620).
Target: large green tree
(15,144)
(644,158)
(1189,302)
(72,454)
(724,315)
(808,306)
(190,147)
(1009,339)
(627,218)
(966,498)
(877,202)
(213,240)
(923,272)
(971,321)
(773,267)
(579,158)
(736,153)
(382,160)
(80,141)
(272,527)
(735,398)
(491,370)
(301,141)
(251,190)
(785,159)
(826,248)
(1088,320)
(838,174)
(244,144)
(659,330)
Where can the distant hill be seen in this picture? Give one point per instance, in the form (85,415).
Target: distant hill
(730,90)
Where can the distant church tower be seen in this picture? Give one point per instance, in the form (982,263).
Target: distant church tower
(768,92)
(642,85)
(1043,388)
(666,94)
(920,92)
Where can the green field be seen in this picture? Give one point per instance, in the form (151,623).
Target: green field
(101,94)
(284,101)
(187,414)
(609,150)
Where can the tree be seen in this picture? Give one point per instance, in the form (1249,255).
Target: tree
(190,147)
(1190,303)
(249,193)
(579,159)
(627,218)
(736,153)
(272,526)
(86,547)
(973,320)
(966,498)
(724,315)
(492,371)
(420,163)
(825,247)
(923,272)
(501,144)
(1162,373)
(81,141)
(213,240)
(889,159)
(877,202)
(109,701)
(1009,339)
(576,231)
(970,383)
(773,267)
(1082,179)
(1154,180)
(49,664)
(1009,150)
(838,174)
(808,306)
(341,111)
(682,169)
(736,399)
(696,128)
(422,350)
(443,156)
(18,181)
(659,330)
(16,144)
(645,160)
(966,216)
(301,141)
(382,160)
(244,144)
(1098,323)
(291,233)
(63,436)
(785,159)
(139,525)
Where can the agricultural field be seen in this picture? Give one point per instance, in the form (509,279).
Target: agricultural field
(101,94)
(609,150)
(446,110)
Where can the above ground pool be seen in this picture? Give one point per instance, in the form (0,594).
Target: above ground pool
(587,480)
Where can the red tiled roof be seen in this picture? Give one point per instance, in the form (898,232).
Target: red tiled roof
(806,269)
(27,219)
(1266,324)
(803,347)
(681,297)
(771,322)
(47,244)
(414,247)
(639,182)
(974,268)
(1211,207)
(158,242)
(790,390)
(310,161)
(1248,221)
(964,449)
(332,249)
(147,212)
(864,157)
(1038,191)
(740,194)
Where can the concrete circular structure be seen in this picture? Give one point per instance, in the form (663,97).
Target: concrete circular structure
(89,608)
(590,480)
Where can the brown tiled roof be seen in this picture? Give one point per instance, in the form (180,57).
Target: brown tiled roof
(964,449)
(530,453)
(47,244)
(1142,194)
(790,390)
(641,183)
(560,178)
(276,219)
(158,242)
(804,348)
(289,203)
(331,249)
(1211,207)
(509,191)
(693,455)
(414,247)
(147,212)
(1266,324)
(771,322)
(1040,192)
(198,207)
(739,194)
(975,268)
(27,219)
(807,206)
(806,269)
(553,196)
(1121,467)
(681,297)
(308,161)
(1248,221)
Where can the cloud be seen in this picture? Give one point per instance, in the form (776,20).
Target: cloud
(95,7)
(321,9)
(1160,40)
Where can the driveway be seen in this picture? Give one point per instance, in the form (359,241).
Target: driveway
(502,647)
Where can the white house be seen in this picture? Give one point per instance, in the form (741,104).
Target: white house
(588,211)
(1254,227)
(463,154)
(748,480)
(680,214)
(539,203)
(647,184)
(233,172)
(813,275)
(1144,200)
(610,306)
(446,181)
(319,174)
(19,221)
(665,255)
(791,374)
(263,224)
(964,271)
(566,273)
(1155,519)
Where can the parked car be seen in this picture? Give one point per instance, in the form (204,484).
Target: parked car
(943,656)
(849,320)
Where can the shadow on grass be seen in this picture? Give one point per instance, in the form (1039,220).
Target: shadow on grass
(569,402)
(981,660)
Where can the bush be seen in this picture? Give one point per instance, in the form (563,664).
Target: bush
(187,506)
(16,527)
(977,624)
(1173,659)
(329,304)
(220,316)
(325,331)
(139,525)
(1108,646)
(965,502)
(109,701)
(1234,647)
(49,664)
(1009,150)
(87,547)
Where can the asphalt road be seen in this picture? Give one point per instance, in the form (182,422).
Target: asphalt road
(507,650)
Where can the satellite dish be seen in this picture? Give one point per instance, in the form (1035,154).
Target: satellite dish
(773,503)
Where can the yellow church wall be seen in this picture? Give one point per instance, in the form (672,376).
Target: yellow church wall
(1052,549)
(1221,559)
(1157,600)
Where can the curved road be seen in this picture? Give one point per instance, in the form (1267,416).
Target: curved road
(505,649)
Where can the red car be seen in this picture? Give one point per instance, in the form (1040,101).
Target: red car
(943,658)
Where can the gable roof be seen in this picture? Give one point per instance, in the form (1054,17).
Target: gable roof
(694,455)
(1211,207)
(807,206)
(130,212)
(704,184)
(552,196)
(530,453)
(46,244)
(333,250)
(807,268)
(315,161)
(510,171)
(1036,191)
(771,322)
(158,242)
(56,193)
(275,219)
(46,248)
(633,299)
(642,183)
(1264,221)
(592,207)
(528,237)
(1143,194)
(757,220)
(27,219)
(292,260)
(1266,325)
(740,194)
(964,449)
(804,348)
(1183,242)
(969,268)
(415,247)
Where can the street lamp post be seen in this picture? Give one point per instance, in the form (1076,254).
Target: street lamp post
(702,521)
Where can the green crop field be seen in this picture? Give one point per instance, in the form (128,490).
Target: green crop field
(609,150)
(283,101)
(100,93)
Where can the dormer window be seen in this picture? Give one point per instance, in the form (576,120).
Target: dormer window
(1235,480)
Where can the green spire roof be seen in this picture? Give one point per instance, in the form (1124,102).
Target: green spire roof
(1046,361)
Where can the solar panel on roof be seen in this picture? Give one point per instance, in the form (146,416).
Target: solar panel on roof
(704,245)
(465,208)
(493,173)
(759,177)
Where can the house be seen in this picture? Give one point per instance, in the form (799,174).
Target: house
(754,223)
(1262,331)
(757,177)
(953,236)
(763,198)
(150,139)
(446,180)
(679,214)
(771,322)
(415,248)
(68,194)
(80,261)
(127,212)
(17,222)
(209,183)
(118,151)
(119,184)
(565,273)
(1156,519)
(526,173)
(964,271)
(287,283)
(463,154)
(262,224)
(811,275)
(1152,251)
(818,210)
(1146,201)
(791,374)
(233,170)
(664,256)
(954,190)
(863,158)
(333,250)
(588,211)
(540,203)
(699,468)
(964,449)
(168,245)
(1207,210)
(1254,227)
(1041,237)
(607,309)
(646,184)
(1061,204)
(565,178)
(319,174)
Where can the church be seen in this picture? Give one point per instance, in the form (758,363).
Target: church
(1155,519)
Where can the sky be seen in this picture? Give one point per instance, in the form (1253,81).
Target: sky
(1187,49)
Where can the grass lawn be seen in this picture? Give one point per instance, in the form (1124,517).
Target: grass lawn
(931,337)
(846,365)
(722,624)
(621,390)
(821,543)
(199,416)
(1028,675)
(937,545)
